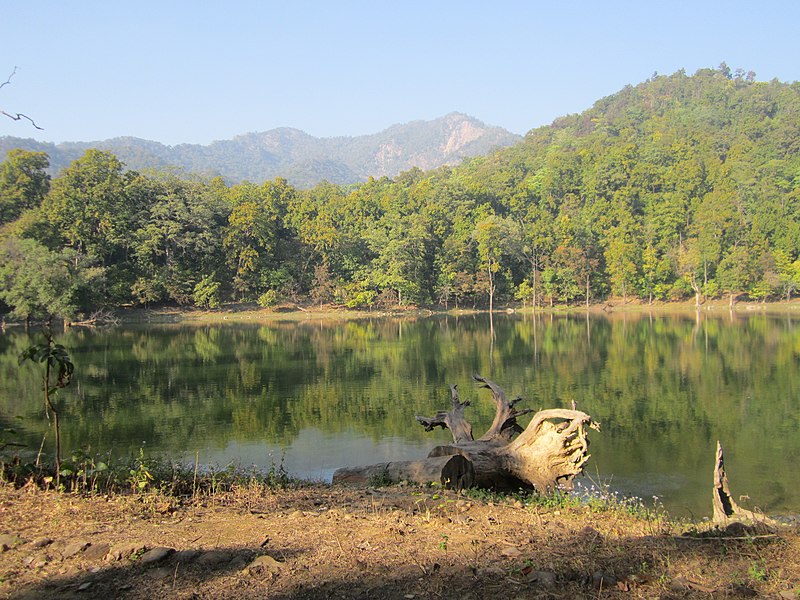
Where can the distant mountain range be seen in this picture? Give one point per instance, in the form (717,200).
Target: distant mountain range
(303,159)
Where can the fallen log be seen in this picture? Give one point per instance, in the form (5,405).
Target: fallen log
(451,472)
(547,454)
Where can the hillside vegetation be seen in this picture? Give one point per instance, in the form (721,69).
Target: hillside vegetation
(680,187)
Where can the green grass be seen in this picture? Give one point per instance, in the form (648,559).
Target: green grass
(90,474)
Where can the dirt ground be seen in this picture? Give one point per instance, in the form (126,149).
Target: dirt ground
(399,542)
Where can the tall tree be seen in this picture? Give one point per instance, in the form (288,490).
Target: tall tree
(87,203)
(24,183)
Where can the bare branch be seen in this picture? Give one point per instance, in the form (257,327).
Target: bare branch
(505,419)
(17,116)
(8,81)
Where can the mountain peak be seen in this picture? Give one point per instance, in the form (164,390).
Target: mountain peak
(303,159)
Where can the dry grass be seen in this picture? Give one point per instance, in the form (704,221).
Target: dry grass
(375,543)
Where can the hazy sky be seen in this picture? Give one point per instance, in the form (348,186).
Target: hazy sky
(180,71)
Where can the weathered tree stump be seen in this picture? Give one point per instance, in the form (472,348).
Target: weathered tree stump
(726,510)
(547,454)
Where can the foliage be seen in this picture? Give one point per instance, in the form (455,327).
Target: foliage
(24,183)
(680,186)
(39,283)
(206,292)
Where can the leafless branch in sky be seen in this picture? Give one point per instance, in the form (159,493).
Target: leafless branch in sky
(16,116)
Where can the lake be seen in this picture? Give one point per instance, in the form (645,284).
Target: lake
(316,396)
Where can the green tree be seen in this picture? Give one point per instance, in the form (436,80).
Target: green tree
(88,205)
(251,237)
(179,240)
(38,283)
(24,183)
(621,256)
(58,370)
(491,233)
(206,292)
(788,273)
(734,273)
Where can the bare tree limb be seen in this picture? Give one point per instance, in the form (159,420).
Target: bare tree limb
(17,116)
(505,424)
(8,81)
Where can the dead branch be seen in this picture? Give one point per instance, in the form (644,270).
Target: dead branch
(17,116)
(505,424)
(453,419)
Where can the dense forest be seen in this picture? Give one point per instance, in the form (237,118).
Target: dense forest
(680,187)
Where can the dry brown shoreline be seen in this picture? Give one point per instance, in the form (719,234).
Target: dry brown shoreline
(335,542)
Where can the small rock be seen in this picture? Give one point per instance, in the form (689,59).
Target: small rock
(789,594)
(213,557)
(264,563)
(41,542)
(680,584)
(603,580)
(124,551)
(9,541)
(543,578)
(185,556)
(511,552)
(96,551)
(35,562)
(156,555)
(74,548)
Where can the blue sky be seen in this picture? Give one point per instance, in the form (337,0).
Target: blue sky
(180,71)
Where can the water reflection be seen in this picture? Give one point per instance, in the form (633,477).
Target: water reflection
(319,396)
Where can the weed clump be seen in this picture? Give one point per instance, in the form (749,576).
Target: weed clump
(87,473)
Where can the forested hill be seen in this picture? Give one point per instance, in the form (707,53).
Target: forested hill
(680,187)
(302,159)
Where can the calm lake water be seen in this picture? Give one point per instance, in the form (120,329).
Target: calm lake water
(318,396)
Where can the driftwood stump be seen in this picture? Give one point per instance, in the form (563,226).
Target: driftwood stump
(547,454)
(726,510)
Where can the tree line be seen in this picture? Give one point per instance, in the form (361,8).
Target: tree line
(682,186)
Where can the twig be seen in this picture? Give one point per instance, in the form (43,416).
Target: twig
(8,81)
(17,116)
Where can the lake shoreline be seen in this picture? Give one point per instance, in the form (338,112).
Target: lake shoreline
(319,541)
(294,312)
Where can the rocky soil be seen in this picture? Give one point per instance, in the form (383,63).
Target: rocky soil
(399,542)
